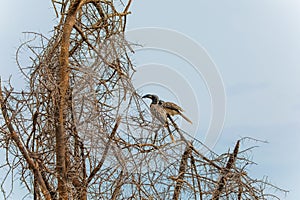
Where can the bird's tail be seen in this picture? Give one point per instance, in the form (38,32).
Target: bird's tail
(184,117)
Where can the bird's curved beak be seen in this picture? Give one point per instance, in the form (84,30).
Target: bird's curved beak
(147,96)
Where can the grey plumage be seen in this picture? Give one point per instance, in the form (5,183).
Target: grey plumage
(158,112)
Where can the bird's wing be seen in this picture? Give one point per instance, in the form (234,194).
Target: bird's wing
(172,106)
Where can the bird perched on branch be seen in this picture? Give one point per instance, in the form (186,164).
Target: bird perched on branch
(156,109)
(159,113)
(173,109)
(161,109)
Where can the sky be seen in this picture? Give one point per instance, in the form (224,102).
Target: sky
(255,47)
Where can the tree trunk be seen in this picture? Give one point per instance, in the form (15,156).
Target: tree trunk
(61,105)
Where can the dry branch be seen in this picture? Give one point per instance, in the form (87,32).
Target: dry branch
(181,172)
(25,152)
(224,173)
(107,146)
(63,82)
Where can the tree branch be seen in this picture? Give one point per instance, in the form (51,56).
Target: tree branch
(25,152)
(181,172)
(107,146)
(225,172)
(61,106)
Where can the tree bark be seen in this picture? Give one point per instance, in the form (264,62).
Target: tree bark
(61,105)
(229,165)
(182,171)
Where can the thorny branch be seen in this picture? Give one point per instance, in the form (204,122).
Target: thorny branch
(33,166)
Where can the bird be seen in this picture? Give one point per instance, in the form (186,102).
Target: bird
(173,109)
(159,113)
(156,109)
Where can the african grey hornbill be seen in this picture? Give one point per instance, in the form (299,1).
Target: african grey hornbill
(173,109)
(156,109)
(159,114)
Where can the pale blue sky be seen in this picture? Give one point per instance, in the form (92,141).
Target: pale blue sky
(255,45)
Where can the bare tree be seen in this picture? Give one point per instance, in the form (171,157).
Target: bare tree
(80,130)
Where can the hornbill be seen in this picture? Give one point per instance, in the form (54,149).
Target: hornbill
(159,113)
(173,109)
(156,109)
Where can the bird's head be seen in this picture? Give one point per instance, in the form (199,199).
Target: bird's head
(160,102)
(153,97)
